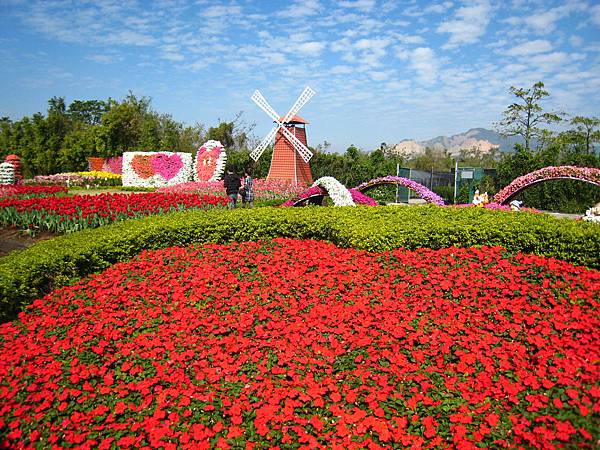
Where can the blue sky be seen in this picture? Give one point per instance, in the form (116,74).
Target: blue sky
(383,70)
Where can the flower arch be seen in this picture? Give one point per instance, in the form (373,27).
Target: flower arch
(423,192)
(587,174)
(340,195)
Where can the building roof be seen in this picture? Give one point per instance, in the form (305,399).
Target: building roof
(295,119)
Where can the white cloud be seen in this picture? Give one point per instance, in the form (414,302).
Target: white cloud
(468,25)
(173,56)
(576,41)
(103,58)
(425,63)
(543,23)
(595,14)
(310,48)
(419,11)
(364,5)
(341,70)
(301,8)
(221,11)
(530,48)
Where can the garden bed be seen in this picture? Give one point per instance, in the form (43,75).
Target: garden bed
(298,343)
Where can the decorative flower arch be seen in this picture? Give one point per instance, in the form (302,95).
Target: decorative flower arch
(426,194)
(340,195)
(586,174)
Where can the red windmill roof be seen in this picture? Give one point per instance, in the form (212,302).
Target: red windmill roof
(295,119)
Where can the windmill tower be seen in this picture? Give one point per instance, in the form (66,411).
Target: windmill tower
(290,154)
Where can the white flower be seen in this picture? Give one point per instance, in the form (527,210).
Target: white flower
(592,215)
(7,173)
(336,190)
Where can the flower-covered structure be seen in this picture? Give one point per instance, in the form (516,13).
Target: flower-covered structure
(339,194)
(593,214)
(586,174)
(158,169)
(423,192)
(7,173)
(337,191)
(210,161)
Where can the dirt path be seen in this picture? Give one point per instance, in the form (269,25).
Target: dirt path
(12,239)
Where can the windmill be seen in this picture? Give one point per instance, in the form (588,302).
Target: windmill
(290,154)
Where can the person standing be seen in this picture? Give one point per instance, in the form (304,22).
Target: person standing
(232,185)
(248,196)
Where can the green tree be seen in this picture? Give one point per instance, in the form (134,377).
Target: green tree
(222,133)
(588,129)
(88,111)
(525,117)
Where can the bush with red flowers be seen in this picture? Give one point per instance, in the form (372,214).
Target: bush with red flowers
(69,214)
(304,344)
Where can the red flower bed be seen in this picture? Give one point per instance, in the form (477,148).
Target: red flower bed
(23,191)
(68,214)
(302,344)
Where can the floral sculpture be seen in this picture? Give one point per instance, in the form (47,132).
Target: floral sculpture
(593,214)
(339,194)
(587,174)
(113,165)
(145,169)
(426,194)
(210,161)
(7,173)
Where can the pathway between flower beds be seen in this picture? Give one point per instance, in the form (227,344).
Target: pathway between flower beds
(12,239)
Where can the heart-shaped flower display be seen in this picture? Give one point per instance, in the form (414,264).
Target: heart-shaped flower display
(142,166)
(166,166)
(210,161)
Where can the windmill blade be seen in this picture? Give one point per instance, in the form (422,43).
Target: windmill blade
(263,104)
(306,95)
(260,148)
(304,152)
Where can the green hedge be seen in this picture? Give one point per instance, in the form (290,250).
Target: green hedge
(30,273)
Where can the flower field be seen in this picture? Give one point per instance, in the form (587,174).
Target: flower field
(69,214)
(303,344)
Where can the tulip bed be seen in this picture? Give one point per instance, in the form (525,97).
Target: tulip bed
(69,214)
(298,343)
(18,191)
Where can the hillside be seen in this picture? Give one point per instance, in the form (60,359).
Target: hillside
(480,138)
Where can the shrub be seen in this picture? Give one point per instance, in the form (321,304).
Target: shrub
(30,273)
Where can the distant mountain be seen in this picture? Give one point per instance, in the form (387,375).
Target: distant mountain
(480,138)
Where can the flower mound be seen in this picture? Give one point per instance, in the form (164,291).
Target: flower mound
(424,193)
(587,174)
(300,343)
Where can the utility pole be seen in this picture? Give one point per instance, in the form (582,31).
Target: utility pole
(455,178)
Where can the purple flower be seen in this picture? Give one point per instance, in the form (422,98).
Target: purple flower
(426,194)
